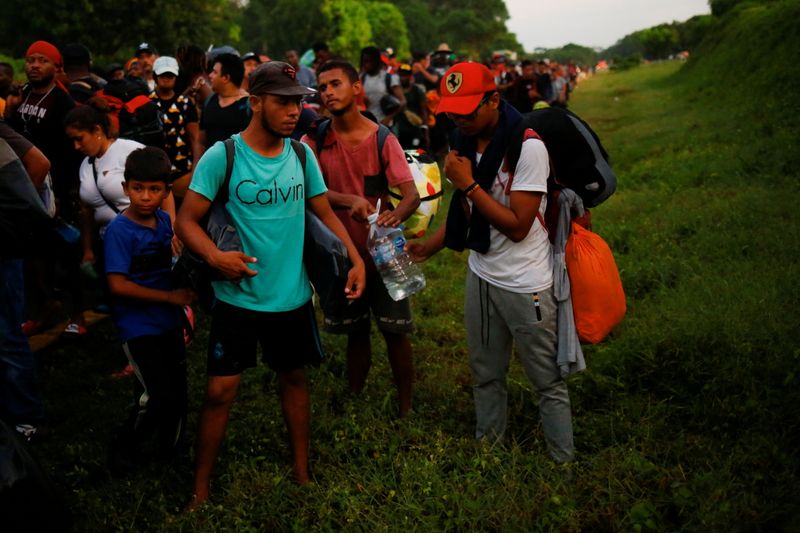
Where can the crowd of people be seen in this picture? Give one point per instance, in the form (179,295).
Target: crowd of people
(134,160)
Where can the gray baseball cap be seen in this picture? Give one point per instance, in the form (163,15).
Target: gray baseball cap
(276,77)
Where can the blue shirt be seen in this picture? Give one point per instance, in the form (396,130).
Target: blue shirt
(144,256)
(267,198)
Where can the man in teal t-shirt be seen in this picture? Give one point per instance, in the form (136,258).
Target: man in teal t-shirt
(267,298)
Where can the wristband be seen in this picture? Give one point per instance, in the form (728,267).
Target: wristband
(471,189)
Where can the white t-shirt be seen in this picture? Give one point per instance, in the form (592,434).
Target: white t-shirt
(375,89)
(525,266)
(110,175)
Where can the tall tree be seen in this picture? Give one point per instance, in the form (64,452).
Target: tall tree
(388,28)
(274,26)
(113,29)
(348,25)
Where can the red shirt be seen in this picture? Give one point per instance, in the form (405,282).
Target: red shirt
(344,168)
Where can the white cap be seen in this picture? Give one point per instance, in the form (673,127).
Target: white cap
(165,64)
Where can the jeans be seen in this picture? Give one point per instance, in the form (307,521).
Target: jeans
(496,319)
(20,401)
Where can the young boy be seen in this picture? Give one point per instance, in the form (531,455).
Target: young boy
(147,310)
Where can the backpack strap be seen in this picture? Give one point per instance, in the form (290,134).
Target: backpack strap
(388,81)
(300,152)
(383,134)
(230,150)
(319,137)
(97,186)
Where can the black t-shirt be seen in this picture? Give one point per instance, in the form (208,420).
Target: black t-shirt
(219,123)
(40,118)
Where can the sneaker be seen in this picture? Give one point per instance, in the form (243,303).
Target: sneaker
(31,433)
(74,329)
(124,373)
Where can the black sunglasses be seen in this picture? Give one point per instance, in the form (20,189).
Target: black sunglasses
(473,114)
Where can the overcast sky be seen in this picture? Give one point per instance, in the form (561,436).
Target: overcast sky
(554,23)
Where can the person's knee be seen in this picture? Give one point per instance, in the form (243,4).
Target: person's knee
(220,393)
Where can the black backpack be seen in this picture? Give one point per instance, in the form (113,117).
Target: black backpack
(140,118)
(578,160)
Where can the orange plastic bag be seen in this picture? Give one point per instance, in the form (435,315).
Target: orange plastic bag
(598,301)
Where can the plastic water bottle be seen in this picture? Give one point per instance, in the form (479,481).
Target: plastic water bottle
(400,274)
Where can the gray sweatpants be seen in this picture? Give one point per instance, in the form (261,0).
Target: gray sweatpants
(494,319)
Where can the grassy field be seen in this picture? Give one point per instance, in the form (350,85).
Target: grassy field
(685,421)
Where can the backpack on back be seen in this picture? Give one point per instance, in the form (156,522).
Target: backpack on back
(139,118)
(578,160)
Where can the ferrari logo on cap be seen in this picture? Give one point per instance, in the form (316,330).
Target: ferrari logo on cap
(290,71)
(454,81)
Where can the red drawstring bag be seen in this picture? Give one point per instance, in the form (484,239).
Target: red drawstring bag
(598,301)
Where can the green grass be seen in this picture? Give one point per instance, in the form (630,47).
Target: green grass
(685,421)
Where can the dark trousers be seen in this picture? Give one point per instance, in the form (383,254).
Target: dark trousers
(20,401)
(161,391)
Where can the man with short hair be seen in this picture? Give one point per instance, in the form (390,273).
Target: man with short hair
(377,84)
(147,55)
(227,111)
(424,73)
(321,54)
(304,74)
(412,124)
(38,114)
(266,296)
(523,94)
(179,114)
(251,60)
(497,212)
(352,166)
(82,83)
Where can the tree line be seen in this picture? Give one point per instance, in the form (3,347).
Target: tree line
(112,29)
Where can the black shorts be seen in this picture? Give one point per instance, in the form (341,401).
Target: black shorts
(390,316)
(289,339)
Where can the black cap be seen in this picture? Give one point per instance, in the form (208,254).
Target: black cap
(76,54)
(145,48)
(276,77)
(251,55)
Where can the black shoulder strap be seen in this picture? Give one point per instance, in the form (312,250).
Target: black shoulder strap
(230,150)
(97,186)
(388,81)
(383,134)
(300,152)
(321,133)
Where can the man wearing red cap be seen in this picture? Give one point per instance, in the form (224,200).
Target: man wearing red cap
(38,114)
(498,215)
